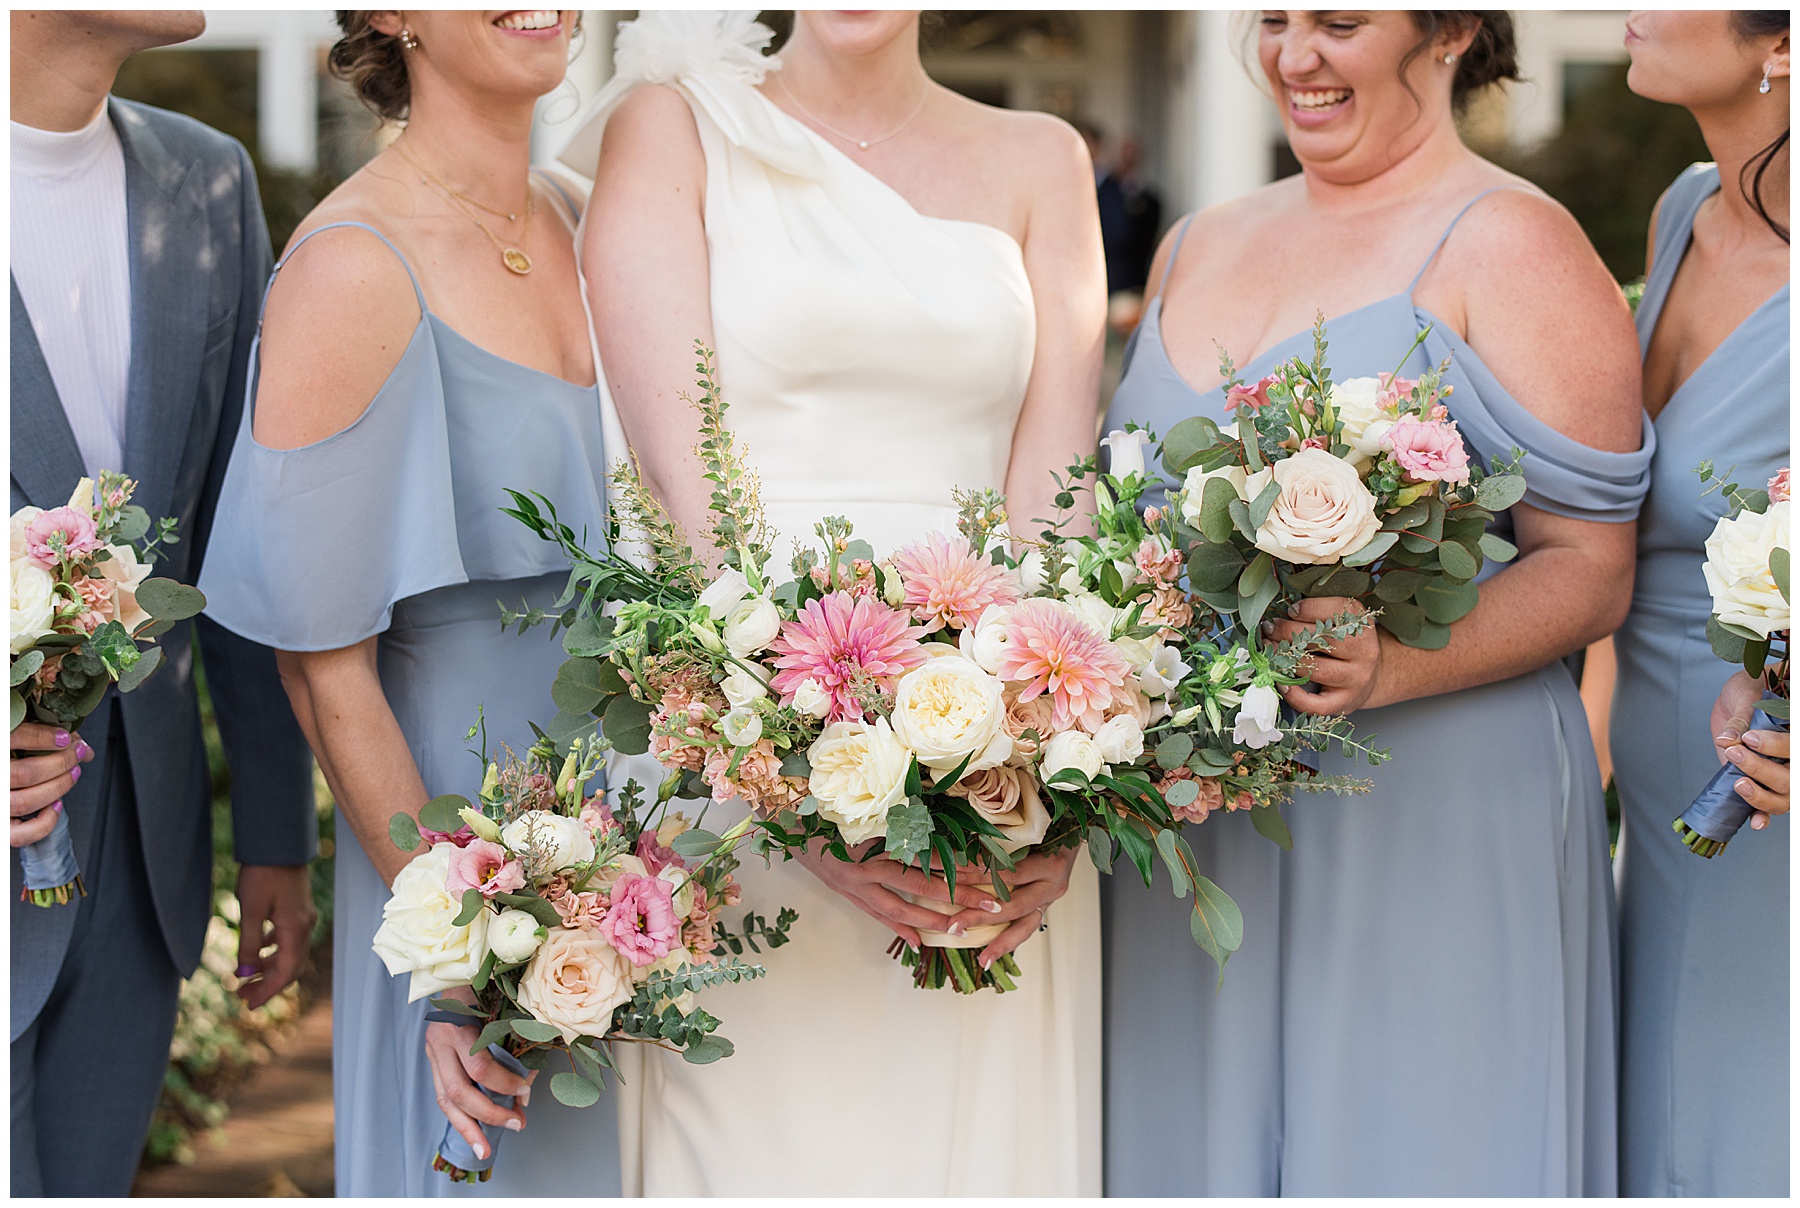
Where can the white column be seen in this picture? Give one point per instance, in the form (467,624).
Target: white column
(287,85)
(1535,104)
(1230,116)
(588,72)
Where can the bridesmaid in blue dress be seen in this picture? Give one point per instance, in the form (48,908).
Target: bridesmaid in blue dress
(404,376)
(1703,1105)
(1424,1003)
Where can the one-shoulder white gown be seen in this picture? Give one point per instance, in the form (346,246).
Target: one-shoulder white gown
(874,359)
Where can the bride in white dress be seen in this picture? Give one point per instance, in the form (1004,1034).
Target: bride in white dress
(906,293)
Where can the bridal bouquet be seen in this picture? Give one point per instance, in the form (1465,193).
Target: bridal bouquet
(953,704)
(1361,488)
(576,925)
(1746,571)
(82,602)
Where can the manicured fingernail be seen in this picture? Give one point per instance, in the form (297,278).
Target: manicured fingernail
(991,906)
(985,962)
(1735,755)
(75,772)
(514,1124)
(1758,823)
(83,751)
(525,1096)
(1744,787)
(245,970)
(62,739)
(1754,739)
(1729,736)
(480,1151)
(57,806)
(956,929)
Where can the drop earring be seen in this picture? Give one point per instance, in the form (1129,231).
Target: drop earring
(407,40)
(1764,86)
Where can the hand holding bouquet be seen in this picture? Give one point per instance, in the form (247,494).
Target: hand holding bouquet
(1746,571)
(574,925)
(82,602)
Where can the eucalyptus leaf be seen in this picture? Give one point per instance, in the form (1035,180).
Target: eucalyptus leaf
(472,902)
(1252,607)
(1178,873)
(1100,845)
(1217,924)
(1378,545)
(1431,636)
(18,710)
(1774,706)
(538,908)
(909,830)
(1725,644)
(694,844)
(166,599)
(577,686)
(796,764)
(1398,585)
(140,669)
(1778,566)
(627,724)
(1182,793)
(1446,602)
(1496,548)
(440,813)
(589,637)
(707,1050)
(1260,570)
(1402,619)
(1272,826)
(152,629)
(26,666)
(1173,751)
(1261,505)
(1239,511)
(535,1030)
(1216,499)
(403,830)
(1214,565)
(1185,442)
(1498,492)
(134,522)
(565,728)
(572,1090)
(1457,561)
(1756,657)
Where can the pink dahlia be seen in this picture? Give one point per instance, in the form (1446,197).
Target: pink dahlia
(61,535)
(1054,652)
(642,923)
(839,643)
(484,867)
(946,584)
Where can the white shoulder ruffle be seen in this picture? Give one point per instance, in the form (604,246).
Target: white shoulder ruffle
(662,46)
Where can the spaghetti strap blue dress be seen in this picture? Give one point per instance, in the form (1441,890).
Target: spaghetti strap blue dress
(1424,1003)
(1703,1103)
(392,527)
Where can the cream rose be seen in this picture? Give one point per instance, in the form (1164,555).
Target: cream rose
(514,935)
(417,935)
(560,842)
(1324,512)
(1072,749)
(1737,569)
(33,604)
(1120,739)
(1193,488)
(858,775)
(1361,421)
(124,569)
(574,982)
(1007,798)
(617,870)
(751,626)
(21,520)
(950,710)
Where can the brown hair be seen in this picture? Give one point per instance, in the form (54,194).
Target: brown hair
(370,60)
(1749,26)
(1493,55)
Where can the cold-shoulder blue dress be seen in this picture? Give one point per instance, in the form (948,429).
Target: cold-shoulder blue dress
(1703,1103)
(392,527)
(1424,1003)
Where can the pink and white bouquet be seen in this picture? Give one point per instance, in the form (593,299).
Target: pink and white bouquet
(1746,571)
(575,925)
(959,703)
(84,610)
(1362,488)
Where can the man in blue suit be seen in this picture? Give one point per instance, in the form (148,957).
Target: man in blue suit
(139,255)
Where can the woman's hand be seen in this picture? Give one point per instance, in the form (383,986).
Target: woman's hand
(1346,670)
(1035,882)
(41,777)
(873,884)
(1764,784)
(455,1072)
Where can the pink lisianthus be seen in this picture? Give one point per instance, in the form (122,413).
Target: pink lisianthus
(1254,396)
(456,838)
(1054,652)
(1778,487)
(948,585)
(642,923)
(59,535)
(1392,390)
(1316,442)
(1429,451)
(485,868)
(841,643)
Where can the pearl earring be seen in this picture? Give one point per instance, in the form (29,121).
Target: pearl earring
(407,40)
(1764,86)
(1448,59)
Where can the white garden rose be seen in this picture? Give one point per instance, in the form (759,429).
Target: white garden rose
(1120,739)
(858,775)
(574,982)
(810,700)
(561,842)
(751,626)
(21,520)
(724,592)
(741,727)
(741,687)
(513,935)
(1256,717)
(950,710)
(616,870)
(417,934)
(1193,489)
(1361,421)
(1737,569)
(985,641)
(1072,749)
(33,604)
(1324,512)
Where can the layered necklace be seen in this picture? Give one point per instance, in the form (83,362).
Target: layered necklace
(512,255)
(861,144)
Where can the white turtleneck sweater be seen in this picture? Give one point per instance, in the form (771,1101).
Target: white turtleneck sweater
(69,258)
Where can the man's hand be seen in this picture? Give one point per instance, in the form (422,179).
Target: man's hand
(276,908)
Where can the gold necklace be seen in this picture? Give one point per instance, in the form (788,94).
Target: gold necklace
(862,144)
(511,255)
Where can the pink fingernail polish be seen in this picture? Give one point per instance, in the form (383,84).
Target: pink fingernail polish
(62,739)
(514,1125)
(75,772)
(83,751)
(57,806)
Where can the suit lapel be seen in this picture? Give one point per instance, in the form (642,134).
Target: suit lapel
(46,461)
(169,257)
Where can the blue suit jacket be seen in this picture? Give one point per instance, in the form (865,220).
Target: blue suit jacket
(199,257)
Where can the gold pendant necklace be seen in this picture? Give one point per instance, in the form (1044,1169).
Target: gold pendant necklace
(513,256)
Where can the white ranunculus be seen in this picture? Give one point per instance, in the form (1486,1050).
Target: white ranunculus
(681,888)
(1737,569)
(1095,611)
(1031,572)
(1127,450)
(724,592)
(1120,739)
(514,935)
(742,687)
(574,982)
(561,842)
(858,775)
(1163,672)
(1072,749)
(751,626)
(33,604)
(810,700)
(21,520)
(1324,512)
(986,640)
(1361,421)
(417,934)
(949,710)
(741,727)
(1256,717)
(1193,488)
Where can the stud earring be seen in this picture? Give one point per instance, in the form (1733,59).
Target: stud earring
(1448,59)
(1764,86)
(407,40)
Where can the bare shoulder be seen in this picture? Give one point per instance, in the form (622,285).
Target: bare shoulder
(1234,223)
(1520,226)
(1034,149)
(651,117)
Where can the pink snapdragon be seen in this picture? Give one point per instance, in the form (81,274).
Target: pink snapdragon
(484,867)
(843,645)
(948,585)
(642,923)
(1428,450)
(597,816)
(61,535)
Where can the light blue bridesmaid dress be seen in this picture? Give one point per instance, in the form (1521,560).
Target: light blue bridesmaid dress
(392,527)
(1703,1107)
(1424,1002)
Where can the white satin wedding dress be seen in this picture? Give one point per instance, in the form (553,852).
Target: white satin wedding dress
(874,359)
